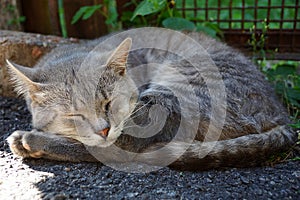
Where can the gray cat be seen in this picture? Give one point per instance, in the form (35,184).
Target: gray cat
(102,104)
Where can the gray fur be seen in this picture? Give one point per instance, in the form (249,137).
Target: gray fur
(60,98)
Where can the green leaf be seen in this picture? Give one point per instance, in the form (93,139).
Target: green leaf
(293,93)
(85,12)
(177,23)
(22,19)
(211,29)
(79,14)
(285,69)
(296,159)
(207,30)
(147,7)
(112,12)
(126,16)
(296,125)
(90,11)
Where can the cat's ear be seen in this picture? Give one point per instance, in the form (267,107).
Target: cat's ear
(22,78)
(118,59)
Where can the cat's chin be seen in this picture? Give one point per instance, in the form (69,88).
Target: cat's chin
(96,141)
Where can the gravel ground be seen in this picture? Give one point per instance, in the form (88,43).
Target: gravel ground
(42,179)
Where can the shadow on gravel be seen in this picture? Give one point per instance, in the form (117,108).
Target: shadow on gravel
(94,181)
(14,115)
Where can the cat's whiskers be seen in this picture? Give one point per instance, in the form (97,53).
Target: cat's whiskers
(139,108)
(120,126)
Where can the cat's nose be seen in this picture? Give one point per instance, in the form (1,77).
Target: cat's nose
(103,133)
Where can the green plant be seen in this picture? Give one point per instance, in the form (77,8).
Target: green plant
(286,80)
(147,7)
(85,13)
(283,75)
(16,20)
(61,13)
(107,9)
(257,41)
(147,13)
(165,13)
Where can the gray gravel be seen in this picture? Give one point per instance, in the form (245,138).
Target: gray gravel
(42,179)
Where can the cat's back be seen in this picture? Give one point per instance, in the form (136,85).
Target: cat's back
(252,106)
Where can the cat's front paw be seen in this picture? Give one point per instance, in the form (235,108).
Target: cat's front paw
(19,146)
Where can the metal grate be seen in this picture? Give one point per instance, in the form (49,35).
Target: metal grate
(236,17)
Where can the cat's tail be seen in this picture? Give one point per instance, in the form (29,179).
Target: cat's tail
(243,151)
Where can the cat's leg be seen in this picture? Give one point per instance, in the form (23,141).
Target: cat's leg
(37,144)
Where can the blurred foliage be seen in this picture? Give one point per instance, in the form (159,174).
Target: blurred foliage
(162,13)
(284,75)
(110,13)
(286,80)
(16,20)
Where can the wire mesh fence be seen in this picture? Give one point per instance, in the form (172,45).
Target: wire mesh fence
(236,17)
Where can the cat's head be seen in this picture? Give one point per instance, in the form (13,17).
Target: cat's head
(89,107)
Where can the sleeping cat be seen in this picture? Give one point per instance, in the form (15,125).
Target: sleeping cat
(118,100)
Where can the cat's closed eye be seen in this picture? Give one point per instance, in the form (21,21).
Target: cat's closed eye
(106,105)
(75,115)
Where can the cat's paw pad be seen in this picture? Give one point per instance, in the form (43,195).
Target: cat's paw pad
(20,147)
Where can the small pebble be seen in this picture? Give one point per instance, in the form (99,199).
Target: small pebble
(272,183)
(131,195)
(67,169)
(245,180)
